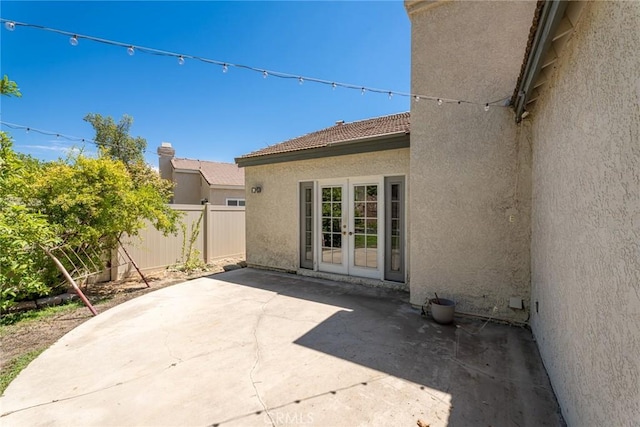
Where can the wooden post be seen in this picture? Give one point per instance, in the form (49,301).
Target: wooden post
(134,263)
(67,276)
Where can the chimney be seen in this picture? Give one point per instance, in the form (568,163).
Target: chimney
(166,153)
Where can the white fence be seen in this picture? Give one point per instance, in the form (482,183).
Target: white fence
(222,235)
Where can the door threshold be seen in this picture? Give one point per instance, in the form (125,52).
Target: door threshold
(364,281)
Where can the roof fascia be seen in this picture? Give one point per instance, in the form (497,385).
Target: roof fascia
(550,18)
(366,145)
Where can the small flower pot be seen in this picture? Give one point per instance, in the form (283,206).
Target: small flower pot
(442,310)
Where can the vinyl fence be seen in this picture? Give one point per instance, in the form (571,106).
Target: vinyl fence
(222,235)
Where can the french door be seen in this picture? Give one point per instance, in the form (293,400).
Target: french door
(350,227)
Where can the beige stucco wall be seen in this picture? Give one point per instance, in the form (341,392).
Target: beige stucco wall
(470,169)
(187,189)
(272,216)
(219,196)
(586,220)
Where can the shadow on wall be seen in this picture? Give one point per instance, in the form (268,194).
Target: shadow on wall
(494,377)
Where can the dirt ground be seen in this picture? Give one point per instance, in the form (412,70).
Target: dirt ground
(23,337)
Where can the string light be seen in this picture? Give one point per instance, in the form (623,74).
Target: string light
(439,101)
(11,25)
(486,107)
(59,136)
(390,95)
(131,51)
(300,80)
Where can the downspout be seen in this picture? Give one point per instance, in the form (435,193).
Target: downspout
(550,17)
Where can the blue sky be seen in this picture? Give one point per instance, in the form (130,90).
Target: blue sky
(203,112)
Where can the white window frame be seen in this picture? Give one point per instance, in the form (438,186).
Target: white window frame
(237,202)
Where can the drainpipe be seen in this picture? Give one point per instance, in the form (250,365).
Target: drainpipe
(550,16)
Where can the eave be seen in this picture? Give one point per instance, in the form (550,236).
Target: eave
(553,24)
(358,146)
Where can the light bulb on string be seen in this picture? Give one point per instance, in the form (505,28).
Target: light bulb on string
(28,129)
(333,86)
(74,40)
(390,95)
(264,74)
(416,98)
(300,80)
(181,60)
(10,25)
(363,91)
(225,68)
(439,101)
(486,107)
(131,51)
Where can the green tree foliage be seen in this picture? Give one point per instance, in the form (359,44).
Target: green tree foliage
(22,263)
(114,141)
(9,87)
(81,202)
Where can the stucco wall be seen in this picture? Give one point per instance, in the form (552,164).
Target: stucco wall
(470,169)
(273,215)
(187,189)
(586,220)
(219,196)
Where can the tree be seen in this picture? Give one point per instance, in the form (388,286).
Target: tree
(79,202)
(9,87)
(22,264)
(114,140)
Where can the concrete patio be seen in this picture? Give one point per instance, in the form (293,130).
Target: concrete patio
(259,348)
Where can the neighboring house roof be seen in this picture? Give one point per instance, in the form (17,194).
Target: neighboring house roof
(215,173)
(384,128)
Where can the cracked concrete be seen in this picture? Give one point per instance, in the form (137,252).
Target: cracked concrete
(259,348)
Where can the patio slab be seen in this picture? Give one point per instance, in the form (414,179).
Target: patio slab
(257,348)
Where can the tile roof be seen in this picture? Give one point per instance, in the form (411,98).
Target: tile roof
(215,173)
(340,132)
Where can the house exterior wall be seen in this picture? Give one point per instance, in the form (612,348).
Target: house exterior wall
(219,196)
(586,220)
(469,169)
(272,216)
(187,189)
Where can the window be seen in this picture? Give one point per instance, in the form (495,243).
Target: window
(306,225)
(235,202)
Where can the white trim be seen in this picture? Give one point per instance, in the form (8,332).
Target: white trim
(348,266)
(238,200)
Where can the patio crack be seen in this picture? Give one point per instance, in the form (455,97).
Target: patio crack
(257,360)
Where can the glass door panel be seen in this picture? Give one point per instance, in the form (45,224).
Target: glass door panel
(332,228)
(365,226)
(364,229)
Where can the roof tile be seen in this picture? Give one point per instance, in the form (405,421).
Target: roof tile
(340,132)
(215,173)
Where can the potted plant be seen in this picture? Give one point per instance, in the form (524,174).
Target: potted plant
(442,310)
